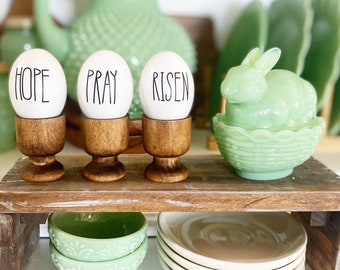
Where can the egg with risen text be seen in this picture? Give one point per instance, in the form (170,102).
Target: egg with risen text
(105,86)
(37,85)
(166,87)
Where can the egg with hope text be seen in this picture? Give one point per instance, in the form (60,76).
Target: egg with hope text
(37,85)
(105,86)
(166,87)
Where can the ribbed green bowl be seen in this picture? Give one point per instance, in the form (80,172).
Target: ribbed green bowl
(131,261)
(265,155)
(96,237)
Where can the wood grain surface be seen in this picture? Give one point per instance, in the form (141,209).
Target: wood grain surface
(211,186)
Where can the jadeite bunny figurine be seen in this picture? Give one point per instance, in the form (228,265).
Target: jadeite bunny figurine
(135,29)
(270,124)
(259,97)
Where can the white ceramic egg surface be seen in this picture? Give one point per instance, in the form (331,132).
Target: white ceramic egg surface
(105,86)
(37,85)
(5,7)
(166,87)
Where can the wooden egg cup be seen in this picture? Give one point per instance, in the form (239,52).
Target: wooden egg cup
(40,140)
(166,141)
(105,139)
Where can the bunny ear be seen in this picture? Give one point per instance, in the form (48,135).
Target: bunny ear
(252,57)
(268,60)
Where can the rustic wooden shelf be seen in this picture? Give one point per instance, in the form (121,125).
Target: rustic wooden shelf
(211,186)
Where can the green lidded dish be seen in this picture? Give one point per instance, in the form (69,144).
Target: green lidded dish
(270,124)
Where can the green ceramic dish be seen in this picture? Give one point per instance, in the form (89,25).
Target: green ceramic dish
(290,24)
(129,262)
(265,155)
(134,29)
(96,236)
(334,124)
(7,113)
(322,61)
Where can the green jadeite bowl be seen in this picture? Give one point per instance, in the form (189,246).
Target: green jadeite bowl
(96,237)
(129,262)
(265,155)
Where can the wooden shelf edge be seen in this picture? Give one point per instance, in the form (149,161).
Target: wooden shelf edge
(211,186)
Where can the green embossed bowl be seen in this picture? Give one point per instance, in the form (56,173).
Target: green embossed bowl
(129,262)
(96,237)
(265,155)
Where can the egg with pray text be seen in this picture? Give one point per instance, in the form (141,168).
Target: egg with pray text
(105,86)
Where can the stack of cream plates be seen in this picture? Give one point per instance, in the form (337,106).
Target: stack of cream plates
(235,241)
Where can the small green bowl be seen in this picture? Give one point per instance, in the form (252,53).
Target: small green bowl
(95,237)
(265,155)
(129,262)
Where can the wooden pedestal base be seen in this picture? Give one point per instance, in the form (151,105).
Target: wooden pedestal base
(40,140)
(166,170)
(166,140)
(104,169)
(42,169)
(19,235)
(105,140)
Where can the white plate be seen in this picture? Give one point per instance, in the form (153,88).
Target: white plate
(296,263)
(176,262)
(176,258)
(163,264)
(168,261)
(242,241)
(301,266)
